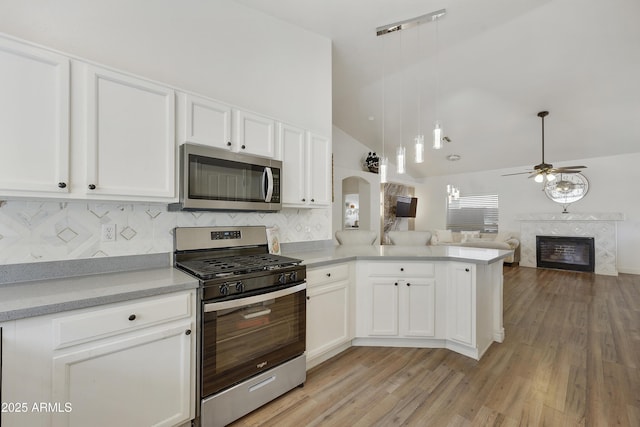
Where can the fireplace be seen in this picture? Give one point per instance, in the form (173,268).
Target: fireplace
(566,253)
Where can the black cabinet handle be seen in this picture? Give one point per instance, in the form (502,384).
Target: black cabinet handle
(401,269)
(92,187)
(395,284)
(313,200)
(243,146)
(466,269)
(187,332)
(132,317)
(328,274)
(308,298)
(304,200)
(408,284)
(228,143)
(62,185)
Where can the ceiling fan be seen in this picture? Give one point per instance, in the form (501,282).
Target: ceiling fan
(546,170)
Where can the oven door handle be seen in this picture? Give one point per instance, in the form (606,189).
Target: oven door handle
(240,302)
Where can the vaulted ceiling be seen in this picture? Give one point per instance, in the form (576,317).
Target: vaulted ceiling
(495,64)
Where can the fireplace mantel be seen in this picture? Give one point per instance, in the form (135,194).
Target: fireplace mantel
(601,226)
(611,216)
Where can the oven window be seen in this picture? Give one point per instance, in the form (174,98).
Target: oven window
(241,342)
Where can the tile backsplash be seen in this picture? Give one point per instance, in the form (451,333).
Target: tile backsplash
(51,231)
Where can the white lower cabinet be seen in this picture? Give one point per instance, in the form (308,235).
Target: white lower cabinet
(461,307)
(402,307)
(329,313)
(125,364)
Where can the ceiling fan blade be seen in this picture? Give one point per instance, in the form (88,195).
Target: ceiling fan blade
(563,170)
(533,174)
(517,173)
(572,167)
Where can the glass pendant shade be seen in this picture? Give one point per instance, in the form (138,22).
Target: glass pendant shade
(437,136)
(419,149)
(384,163)
(401,160)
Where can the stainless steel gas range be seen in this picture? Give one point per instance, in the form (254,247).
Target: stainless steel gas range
(252,319)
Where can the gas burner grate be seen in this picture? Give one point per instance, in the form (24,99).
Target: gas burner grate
(233,265)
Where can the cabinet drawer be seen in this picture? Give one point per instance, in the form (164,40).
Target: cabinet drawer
(332,273)
(116,319)
(402,269)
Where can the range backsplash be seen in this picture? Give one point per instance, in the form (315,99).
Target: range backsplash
(52,231)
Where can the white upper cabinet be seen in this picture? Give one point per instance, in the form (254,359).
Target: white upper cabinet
(205,122)
(34,121)
(255,134)
(319,169)
(130,136)
(294,182)
(306,163)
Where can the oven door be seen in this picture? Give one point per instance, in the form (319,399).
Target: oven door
(245,336)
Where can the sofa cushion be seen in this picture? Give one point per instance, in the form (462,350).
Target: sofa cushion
(410,238)
(469,235)
(444,236)
(503,236)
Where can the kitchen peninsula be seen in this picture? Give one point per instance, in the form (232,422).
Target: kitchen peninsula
(425,296)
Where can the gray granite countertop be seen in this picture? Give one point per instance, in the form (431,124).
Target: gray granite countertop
(337,254)
(40,297)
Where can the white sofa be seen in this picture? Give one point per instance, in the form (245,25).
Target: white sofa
(502,240)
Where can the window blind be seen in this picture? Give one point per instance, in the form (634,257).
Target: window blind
(473,212)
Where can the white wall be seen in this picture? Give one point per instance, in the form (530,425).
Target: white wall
(613,188)
(217,48)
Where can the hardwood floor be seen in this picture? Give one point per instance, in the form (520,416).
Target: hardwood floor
(571,357)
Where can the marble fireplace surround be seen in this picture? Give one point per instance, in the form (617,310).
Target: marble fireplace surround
(601,226)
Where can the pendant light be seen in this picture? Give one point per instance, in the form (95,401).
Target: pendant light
(437,130)
(401,158)
(419,139)
(384,162)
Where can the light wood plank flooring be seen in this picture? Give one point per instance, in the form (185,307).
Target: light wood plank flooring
(571,357)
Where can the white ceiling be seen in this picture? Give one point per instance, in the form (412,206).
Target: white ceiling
(497,63)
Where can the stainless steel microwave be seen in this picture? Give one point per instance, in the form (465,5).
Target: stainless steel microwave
(217,179)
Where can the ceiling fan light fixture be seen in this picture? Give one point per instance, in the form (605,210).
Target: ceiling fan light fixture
(550,177)
(539,178)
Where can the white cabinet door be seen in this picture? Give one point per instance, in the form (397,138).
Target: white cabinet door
(255,134)
(294,170)
(206,122)
(461,310)
(327,317)
(130,137)
(319,170)
(34,121)
(418,307)
(141,379)
(384,308)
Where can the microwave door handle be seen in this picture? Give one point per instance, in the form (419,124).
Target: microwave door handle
(268,189)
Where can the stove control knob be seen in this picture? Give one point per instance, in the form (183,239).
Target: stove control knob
(293,276)
(224,289)
(282,279)
(239,287)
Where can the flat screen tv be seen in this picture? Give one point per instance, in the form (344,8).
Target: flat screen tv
(406,207)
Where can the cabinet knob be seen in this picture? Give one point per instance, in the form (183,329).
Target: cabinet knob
(132,317)
(187,332)
(92,187)
(328,274)
(228,143)
(401,269)
(308,298)
(243,146)
(408,284)
(466,269)
(304,200)
(313,200)
(62,185)
(395,284)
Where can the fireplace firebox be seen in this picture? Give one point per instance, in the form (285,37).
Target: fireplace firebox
(566,253)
